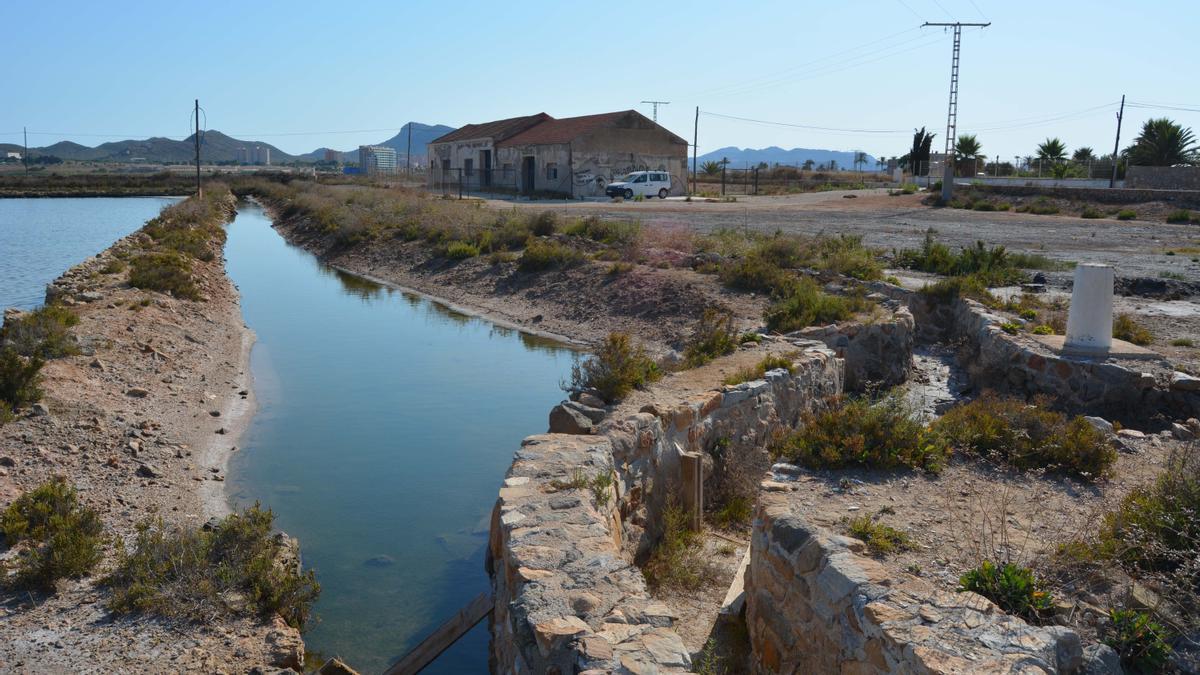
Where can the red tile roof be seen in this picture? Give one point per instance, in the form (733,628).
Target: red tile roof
(570,128)
(497,131)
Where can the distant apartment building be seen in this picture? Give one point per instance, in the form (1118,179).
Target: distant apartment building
(13,155)
(257,154)
(333,156)
(373,159)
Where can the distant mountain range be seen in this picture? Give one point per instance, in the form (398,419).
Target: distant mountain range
(218,147)
(741,157)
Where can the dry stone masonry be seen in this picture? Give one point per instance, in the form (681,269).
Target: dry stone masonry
(567,596)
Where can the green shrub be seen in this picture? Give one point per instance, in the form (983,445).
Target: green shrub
(461,250)
(677,560)
(114,266)
(804,304)
(1183,342)
(545,255)
(984,206)
(880,539)
(544,224)
(1140,641)
(166,272)
(1042,329)
(20,378)
(1179,216)
(62,539)
(993,266)
(1027,436)
(713,336)
(42,332)
(1126,328)
(970,286)
(617,368)
(618,268)
(1014,588)
(611,232)
(1089,212)
(1010,327)
(1126,214)
(754,273)
(232,569)
(758,370)
(856,432)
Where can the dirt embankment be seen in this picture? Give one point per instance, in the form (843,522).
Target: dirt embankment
(581,305)
(143,422)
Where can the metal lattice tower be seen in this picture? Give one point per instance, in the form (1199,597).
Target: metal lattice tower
(952,108)
(656,104)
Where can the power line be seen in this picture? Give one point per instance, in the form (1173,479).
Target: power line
(656,104)
(910,9)
(952,109)
(980,11)
(811,127)
(944,10)
(1148,106)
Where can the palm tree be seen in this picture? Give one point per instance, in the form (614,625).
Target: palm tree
(1052,150)
(1084,154)
(967,149)
(860,158)
(808,165)
(1163,143)
(917,158)
(711,167)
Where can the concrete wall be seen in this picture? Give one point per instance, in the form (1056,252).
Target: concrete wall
(1116,196)
(1163,177)
(614,152)
(878,352)
(558,154)
(567,596)
(814,604)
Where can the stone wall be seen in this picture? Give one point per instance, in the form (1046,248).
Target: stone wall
(567,596)
(815,605)
(876,352)
(1129,391)
(1183,198)
(1163,177)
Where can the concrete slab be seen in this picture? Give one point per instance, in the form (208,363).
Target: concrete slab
(1120,349)
(735,597)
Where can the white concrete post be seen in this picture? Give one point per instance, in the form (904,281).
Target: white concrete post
(1090,319)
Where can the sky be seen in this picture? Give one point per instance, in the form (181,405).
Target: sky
(307,75)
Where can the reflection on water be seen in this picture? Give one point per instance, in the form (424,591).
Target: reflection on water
(385,425)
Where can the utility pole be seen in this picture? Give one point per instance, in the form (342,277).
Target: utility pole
(952,113)
(656,104)
(695,142)
(408,153)
(196,137)
(25,156)
(1112,182)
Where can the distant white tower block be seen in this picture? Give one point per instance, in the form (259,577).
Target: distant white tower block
(1090,320)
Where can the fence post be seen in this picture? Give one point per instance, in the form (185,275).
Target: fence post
(691,468)
(722,179)
(460,182)
(756,181)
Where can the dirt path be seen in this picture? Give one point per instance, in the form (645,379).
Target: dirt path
(143,422)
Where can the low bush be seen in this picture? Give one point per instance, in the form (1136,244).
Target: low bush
(1179,216)
(713,336)
(1043,329)
(166,272)
(232,569)
(857,432)
(993,266)
(804,304)
(1040,206)
(617,368)
(1183,342)
(20,378)
(1010,327)
(1027,436)
(60,538)
(1126,328)
(618,268)
(1091,213)
(43,332)
(880,539)
(1016,589)
(544,224)
(1126,214)
(754,273)
(758,370)
(677,561)
(611,232)
(970,286)
(461,250)
(1139,640)
(545,255)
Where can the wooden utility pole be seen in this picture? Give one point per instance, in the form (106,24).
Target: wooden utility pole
(196,138)
(1112,182)
(952,113)
(695,141)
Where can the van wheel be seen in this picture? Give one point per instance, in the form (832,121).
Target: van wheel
(628,193)
(662,194)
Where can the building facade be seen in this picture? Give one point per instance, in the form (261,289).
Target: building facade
(376,159)
(572,157)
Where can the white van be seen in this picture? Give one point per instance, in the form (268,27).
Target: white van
(644,183)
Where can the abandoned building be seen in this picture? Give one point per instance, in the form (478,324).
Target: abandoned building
(538,154)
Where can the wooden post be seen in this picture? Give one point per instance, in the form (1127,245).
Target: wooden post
(441,639)
(692,470)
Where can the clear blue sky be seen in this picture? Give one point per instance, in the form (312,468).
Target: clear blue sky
(97,71)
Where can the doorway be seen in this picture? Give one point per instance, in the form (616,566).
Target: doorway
(527,175)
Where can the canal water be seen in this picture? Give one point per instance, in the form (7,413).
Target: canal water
(385,425)
(41,238)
